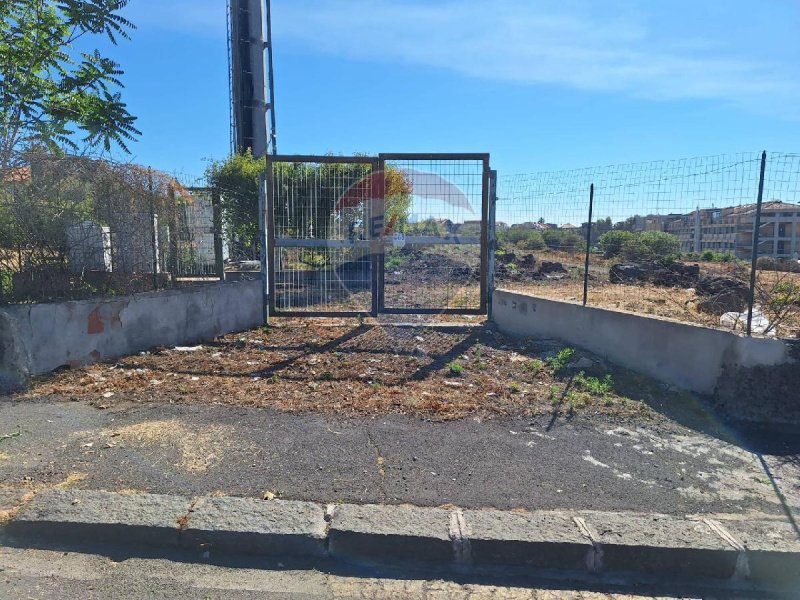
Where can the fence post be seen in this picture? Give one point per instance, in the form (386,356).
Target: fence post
(174,260)
(756,233)
(154,226)
(588,247)
(219,261)
(492,241)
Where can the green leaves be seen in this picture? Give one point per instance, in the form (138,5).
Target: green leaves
(51,95)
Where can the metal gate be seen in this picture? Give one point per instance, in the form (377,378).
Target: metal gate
(396,233)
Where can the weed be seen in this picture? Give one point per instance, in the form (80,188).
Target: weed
(593,385)
(360,320)
(455,369)
(608,401)
(534,366)
(375,385)
(515,388)
(481,366)
(326,376)
(8,436)
(560,360)
(275,378)
(478,352)
(313,385)
(554,393)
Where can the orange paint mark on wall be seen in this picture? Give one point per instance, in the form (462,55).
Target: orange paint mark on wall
(95,322)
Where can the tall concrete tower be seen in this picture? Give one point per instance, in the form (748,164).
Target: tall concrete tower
(252,82)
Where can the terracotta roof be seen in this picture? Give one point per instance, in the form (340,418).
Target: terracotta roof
(17,175)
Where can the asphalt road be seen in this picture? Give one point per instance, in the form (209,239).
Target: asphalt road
(659,466)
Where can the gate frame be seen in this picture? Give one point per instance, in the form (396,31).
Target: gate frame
(376,240)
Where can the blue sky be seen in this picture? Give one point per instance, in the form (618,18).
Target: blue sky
(542,85)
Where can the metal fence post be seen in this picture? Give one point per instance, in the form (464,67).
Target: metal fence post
(219,260)
(492,240)
(756,232)
(588,247)
(264,213)
(154,225)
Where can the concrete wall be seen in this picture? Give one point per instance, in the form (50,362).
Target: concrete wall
(689,356)
(38,338)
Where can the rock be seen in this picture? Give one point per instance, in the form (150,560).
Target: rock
(722,295)
(551,267)
(626,273)
(581,363)
(724,302)
(712,286)
(658,273)
(528,261)
(507,257)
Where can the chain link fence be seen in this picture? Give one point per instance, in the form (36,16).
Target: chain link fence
(710,240)
(77,227)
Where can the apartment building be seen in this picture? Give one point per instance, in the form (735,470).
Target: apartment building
(731,229)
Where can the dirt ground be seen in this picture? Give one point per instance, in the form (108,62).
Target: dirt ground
(671,302)
(344,367)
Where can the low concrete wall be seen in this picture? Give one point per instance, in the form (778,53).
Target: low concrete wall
(689,356)
(38,338)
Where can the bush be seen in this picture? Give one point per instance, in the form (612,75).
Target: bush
(612,242)
(657,244)
(644,245)
(525,238)
(563,239)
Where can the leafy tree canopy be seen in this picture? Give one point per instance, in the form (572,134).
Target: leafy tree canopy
(52,95)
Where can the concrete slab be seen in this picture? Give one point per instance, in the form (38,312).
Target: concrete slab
(543,540)
(773,548)
(102,516)
(246,525)
(661,544)
(387,533)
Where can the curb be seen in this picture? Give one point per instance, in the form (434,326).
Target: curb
(723,548)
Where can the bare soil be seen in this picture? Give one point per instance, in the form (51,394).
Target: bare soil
(643,298)
(345,367)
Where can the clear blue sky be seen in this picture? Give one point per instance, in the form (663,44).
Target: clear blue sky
(542,85)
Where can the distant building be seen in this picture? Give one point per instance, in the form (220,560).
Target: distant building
(731,229)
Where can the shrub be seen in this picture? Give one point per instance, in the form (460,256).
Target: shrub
(563,239)
(643,245)
(612,242)
(525,238)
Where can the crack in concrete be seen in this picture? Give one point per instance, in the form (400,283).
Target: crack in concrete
(594,559)
(380,462)
(459,534)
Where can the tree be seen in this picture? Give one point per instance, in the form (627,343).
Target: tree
(310,194)
(53,96)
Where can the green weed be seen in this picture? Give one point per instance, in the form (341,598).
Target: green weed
(455,369)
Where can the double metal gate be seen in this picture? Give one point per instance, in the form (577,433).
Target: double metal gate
(396,233)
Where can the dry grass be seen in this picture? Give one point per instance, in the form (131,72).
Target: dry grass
(8,514)
(349,369)
(669,302)
(199,450)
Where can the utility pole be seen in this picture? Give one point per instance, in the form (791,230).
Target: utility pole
(251,70)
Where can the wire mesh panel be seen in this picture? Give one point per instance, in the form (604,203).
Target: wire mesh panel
(671,238)
(434,256)
(321,255)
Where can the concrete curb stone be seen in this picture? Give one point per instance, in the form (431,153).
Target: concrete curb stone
(102,516)
(542,540)
(660,544)
(722,547)
(387,533)
(247,525)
